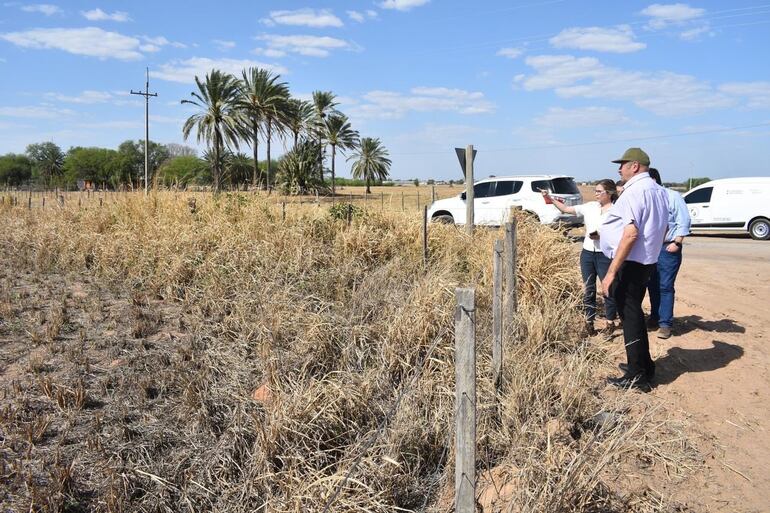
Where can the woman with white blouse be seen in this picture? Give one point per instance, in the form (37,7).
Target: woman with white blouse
(593,263)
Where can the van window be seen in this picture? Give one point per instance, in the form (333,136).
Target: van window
(556,186)
(504,188)
(483,190)
(699,196)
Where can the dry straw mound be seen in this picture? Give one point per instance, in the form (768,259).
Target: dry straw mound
(293,341)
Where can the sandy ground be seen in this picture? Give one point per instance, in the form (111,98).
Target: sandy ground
(714,372)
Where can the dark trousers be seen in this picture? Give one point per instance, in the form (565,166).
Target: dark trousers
(593,264)
(628,290)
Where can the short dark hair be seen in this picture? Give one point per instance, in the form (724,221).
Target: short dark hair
(655,175)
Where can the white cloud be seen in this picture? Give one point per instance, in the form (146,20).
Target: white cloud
(356,16)
(661,92)
(756,94)
(167,120)
(303,17)
(47,9)
(695,34)
(155,43)
(90,41)
(511,53)
(309,46)
(185,71)
(393,105)
(402,5)
(99,15)
(619,39)
(107,125)
(558,117)
(86,97)
(662,15)
(361,17)
(34,112)
(223,45)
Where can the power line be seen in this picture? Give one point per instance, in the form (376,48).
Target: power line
(605,141)
(755,11)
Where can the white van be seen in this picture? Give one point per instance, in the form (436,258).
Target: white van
(494,197)
(731,205)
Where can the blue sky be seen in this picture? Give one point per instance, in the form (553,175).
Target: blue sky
(537,86)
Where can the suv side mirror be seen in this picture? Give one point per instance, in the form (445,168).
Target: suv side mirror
(463,196)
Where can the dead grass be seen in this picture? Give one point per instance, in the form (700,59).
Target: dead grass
(150,397)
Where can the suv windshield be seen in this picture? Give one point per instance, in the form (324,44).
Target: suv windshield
(556,186)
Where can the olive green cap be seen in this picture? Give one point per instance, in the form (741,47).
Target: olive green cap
(634,155)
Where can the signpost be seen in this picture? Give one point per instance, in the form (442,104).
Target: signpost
(466,158)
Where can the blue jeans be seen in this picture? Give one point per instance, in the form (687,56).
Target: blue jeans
(661,286)
(593,264)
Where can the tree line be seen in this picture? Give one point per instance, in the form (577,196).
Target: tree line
(232,113)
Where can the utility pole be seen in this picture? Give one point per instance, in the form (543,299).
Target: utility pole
(146,95)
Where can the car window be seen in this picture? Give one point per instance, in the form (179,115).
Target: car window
(564,186)
(506,187)
(538,185)
(699,196)
(483,190)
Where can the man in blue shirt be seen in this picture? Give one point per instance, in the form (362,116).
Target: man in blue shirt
(661,284)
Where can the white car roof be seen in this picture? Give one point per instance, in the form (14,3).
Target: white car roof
(522,177)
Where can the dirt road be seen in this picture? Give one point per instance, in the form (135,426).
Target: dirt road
(715,371)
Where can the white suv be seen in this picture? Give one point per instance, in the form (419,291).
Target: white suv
(494,197)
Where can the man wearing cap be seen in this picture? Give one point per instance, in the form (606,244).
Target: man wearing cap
(661,284)
(632,236)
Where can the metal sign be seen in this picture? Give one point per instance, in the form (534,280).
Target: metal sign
(461,157)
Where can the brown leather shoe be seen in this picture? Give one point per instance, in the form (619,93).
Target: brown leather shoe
(664,332)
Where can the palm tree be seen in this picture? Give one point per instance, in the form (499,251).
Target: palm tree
(263,100)
(299,117)
(372,162)
(339,134)
(323,105)
(219,121)
(239,166)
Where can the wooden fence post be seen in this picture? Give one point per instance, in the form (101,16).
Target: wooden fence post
(43,201)
(61,200)
(497,315)
(465,401)
(283,211)
(510,273)
(432,193)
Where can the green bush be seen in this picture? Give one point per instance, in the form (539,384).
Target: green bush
(342,210)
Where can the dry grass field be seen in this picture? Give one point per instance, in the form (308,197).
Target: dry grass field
(155,357)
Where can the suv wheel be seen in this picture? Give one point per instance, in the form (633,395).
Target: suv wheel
(444,219)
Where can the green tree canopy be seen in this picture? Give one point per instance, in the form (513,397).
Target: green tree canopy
(15,169)
(184,170)
(132,153)
(47,159)
(94,164)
